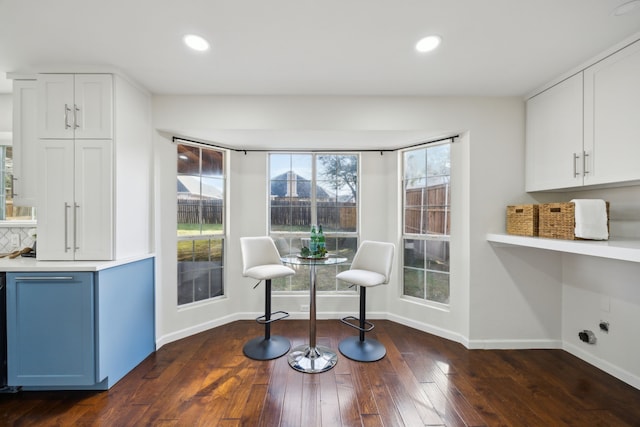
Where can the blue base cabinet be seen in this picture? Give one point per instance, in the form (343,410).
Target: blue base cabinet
(79,330)
(50,329)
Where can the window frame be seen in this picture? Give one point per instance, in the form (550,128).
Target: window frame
(291,236)
(424,237)
(206,237)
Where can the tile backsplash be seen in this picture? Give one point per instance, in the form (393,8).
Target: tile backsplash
(6,236)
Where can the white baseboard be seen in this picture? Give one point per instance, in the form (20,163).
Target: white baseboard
(621,374)
(195,329)
(513,344)
(424,327)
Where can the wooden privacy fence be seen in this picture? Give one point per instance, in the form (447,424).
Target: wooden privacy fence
(283,212)
(189,211)
(427,210)
(297,213)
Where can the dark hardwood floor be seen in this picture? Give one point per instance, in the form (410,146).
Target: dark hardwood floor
(424,380)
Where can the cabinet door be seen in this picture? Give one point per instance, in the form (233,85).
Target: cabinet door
(55,200)
(93,207)
(554,143)
(93,106)
(612,117)
(25,141)
(50,329)
(75,106)
(55,106)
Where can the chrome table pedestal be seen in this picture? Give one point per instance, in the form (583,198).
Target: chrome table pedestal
(312,358)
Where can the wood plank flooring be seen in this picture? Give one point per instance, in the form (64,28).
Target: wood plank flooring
(205,380)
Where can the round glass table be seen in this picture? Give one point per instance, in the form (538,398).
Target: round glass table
(312,358)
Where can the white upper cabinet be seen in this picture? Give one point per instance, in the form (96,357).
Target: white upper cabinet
(75,106)
(554,148)
(586,130)
(612,117)
(94,163)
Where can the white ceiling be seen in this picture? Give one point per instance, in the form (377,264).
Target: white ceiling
(315,47)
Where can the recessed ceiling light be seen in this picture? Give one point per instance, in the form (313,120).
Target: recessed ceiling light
(196,42)
(428,43)
(625,8)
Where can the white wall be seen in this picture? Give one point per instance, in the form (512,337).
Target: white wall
(488,305)
(6,112)
(596,289)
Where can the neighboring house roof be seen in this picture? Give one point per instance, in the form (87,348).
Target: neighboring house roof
(279,185)
(188,184)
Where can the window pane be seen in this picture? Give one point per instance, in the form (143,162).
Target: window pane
(188,160)
(438,160)
(199,270)
(438,287)
(414,253)
(437,255)
(338,180)
(413,285)
(212,206)
(212,163)
(415,167)
(290,196)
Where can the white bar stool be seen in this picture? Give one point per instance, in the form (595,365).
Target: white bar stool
(261,261)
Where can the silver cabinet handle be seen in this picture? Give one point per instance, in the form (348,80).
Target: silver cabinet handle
(584,162)
(76,110)
(576,173)
(42,278)
(75,225)
(67,110)
(66,227)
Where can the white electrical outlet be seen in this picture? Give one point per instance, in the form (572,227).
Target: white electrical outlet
(15,240)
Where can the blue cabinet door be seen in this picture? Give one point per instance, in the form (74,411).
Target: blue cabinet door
(51,329)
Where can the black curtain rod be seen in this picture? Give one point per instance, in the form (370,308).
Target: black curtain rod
(257,150)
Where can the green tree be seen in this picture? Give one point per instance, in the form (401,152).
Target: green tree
(341,171)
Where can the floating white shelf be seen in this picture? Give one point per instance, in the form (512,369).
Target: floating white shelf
(620,249)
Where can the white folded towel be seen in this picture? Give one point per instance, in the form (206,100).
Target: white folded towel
(591,219)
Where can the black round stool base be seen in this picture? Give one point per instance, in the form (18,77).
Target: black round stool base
(368,350)
(263,349)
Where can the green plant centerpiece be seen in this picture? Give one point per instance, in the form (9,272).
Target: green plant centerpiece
(305,252)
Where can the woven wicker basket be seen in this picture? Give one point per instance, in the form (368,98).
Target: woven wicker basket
(558,220)
(522,220)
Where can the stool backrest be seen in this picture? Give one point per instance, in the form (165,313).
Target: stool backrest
(258,251)
(374,256)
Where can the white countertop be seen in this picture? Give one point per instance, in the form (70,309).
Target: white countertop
(615,248)
(22,264)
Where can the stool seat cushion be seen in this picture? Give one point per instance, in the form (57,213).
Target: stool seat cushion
(268,271)
(362,277)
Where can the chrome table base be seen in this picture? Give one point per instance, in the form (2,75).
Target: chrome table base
(312,360)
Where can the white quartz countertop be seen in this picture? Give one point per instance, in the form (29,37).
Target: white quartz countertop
(21,264)
(615,248)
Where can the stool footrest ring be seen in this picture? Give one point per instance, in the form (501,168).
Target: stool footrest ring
(263,319)
(346,321)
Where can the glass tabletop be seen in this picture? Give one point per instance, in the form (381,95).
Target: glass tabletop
(299,260)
